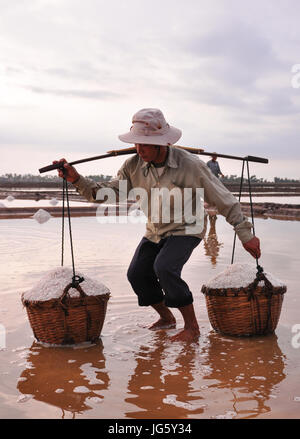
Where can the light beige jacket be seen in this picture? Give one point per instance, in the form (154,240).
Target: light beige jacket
(182,170)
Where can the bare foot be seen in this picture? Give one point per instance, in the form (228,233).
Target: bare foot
(163,324)
(189,335)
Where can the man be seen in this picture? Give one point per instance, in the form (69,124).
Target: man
(155,270)
(214,166)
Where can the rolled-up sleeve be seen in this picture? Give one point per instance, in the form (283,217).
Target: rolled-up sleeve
(216,194)
(89,188)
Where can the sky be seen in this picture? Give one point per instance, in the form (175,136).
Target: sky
(73,73)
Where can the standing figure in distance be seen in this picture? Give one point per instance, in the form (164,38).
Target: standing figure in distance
(214,165)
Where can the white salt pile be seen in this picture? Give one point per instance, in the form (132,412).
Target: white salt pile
(135,212)
(42,216)
(53,201)
(9,198)
(53,283)
(2,205)
(239,275)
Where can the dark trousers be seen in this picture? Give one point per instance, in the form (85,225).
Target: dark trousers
(155,271)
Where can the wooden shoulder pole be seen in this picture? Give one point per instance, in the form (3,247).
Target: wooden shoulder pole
(132,150)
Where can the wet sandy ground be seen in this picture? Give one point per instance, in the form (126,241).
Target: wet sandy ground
(133,372)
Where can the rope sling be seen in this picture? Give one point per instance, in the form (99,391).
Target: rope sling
(76,280)
(69,318)
(260,276)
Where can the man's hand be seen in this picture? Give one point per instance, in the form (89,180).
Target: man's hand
(70,172)
(253,247)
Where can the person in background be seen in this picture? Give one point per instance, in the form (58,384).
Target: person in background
(214,166)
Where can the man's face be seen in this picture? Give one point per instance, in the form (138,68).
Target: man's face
(148,153)
(214,157)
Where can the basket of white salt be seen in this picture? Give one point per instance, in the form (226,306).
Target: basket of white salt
(241,301)
(61,311)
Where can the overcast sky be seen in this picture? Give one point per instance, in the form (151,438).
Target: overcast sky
(73,72)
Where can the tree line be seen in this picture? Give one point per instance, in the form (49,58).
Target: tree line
(253,179)
(28,178)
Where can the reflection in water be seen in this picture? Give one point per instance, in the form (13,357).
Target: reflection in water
(153,385)
(176,381)
(64,377)
(156,377)
(250,367)
(211,244)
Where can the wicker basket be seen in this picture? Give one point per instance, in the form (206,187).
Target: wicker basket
(67,320)
(254,310)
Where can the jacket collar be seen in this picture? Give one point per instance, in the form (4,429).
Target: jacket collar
(172,160)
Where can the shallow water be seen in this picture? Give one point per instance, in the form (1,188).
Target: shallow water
(40,204)
(46,203)
(33,189)
(133,372)
(273,199)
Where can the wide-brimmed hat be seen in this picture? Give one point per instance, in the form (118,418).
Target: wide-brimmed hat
(149,126)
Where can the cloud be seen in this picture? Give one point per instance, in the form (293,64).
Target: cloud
(72,73)
(259,102)
(86,94)
(233,66)
(238,45)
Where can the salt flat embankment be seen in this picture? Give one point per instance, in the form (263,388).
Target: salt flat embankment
(284,210)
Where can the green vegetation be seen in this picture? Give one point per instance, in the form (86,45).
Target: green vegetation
(254,179)
(285,180)
(30,178)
